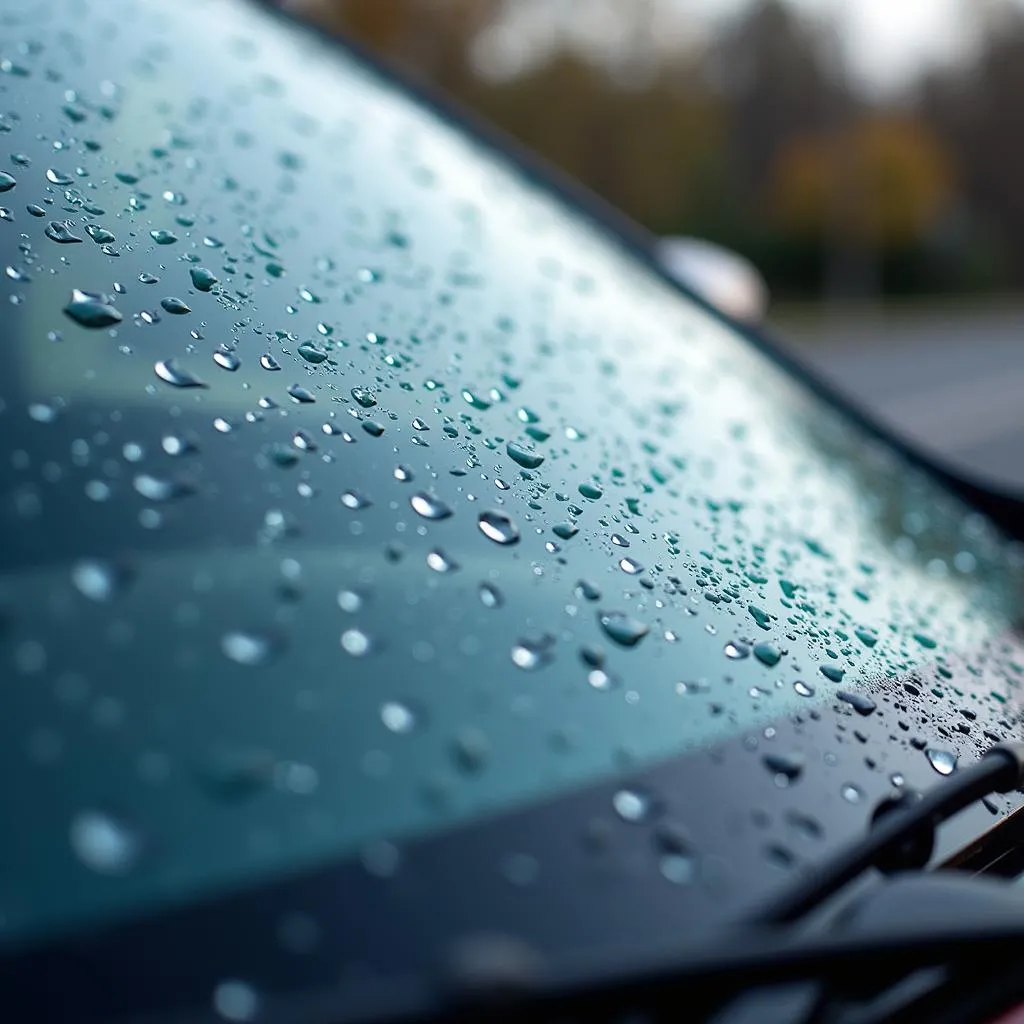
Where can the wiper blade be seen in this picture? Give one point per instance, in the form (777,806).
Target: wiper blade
(914,921)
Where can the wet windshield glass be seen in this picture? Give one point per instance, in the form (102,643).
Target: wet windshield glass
(352,486)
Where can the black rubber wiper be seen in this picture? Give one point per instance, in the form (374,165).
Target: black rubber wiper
(915,920)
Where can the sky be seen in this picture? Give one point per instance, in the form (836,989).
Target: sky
(886,41)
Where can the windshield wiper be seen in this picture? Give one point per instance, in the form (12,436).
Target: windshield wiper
(915,921)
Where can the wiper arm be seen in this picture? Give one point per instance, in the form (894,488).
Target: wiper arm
(913,922)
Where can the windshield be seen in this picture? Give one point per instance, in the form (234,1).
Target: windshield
(353,485)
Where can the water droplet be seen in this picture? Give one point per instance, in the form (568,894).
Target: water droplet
(789,765)
(364,397)
(96,579)
(175,305)
(491,596)
(942,761)
(7,181)
(163,237)
(146,278)
(300,394)
(523,456)
(566,530)
(470,751)
(35,210)
(169,371)
(202,279)
(803,689)
(104,843)
(591,491)
(91,310)
(101,236)
(634,805)
(630,566)
(356,643)
(226,360)
(736,651)
(252,646)
(311,353)
(355,500)
(236,1001)
(403,474)
(154,488)
(851,794)
(498,527)
(475,400)
(429,506)
(268,362)
(373,428)
(832,673)
(440,562)
(397,717)
(56,177)
(60,231)
(174,444)
(531,655)
(860,702)
(767,654)
(623,629)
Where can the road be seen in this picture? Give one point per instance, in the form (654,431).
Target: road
(952,382)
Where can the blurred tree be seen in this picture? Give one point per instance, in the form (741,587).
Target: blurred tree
(907,176)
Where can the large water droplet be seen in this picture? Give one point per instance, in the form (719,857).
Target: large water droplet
(787,765)
(860,702)
(56,177)
(96,579)
(169,371)
(364,397)
(101,236)
(7,181)
(300,394)
(60,231)
(175,305)
(356,642)
(355,500)
(268,362)
(226,360)
(736,651)
(236,1001)
(566,530)
(525,457)
(942,761)
(634,805)
(398,717)
(498,527)
(252,646)
(429,506)
(623,629)
(532,654)
(104,843)
(439,561)
(163,237)
(91,310)
(202,279)
(311,352)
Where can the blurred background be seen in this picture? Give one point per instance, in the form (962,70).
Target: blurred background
(866,155)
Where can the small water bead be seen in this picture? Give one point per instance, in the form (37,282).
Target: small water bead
(428,506)
(531,655)
(252,647)
(491,596)
(35,210)
(56,177)
(768,654)
(356,643)
(7,181)
(163,237)
(498,527)
(634,805)
(403,474)
(860,702)
(441,562)
(355,500)
(301,395)
(736,651)
(350,601)
(147,278)
(268,362)
(630,566)
(96,579)
(789,765)
(170,372)
(104,843)
(418,424)
(851,794)
(236,1001)
(943,761)
(373,428)
(590,491)
(312,353)
(398,717)
(175,305)
(803,689)
(566,530)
